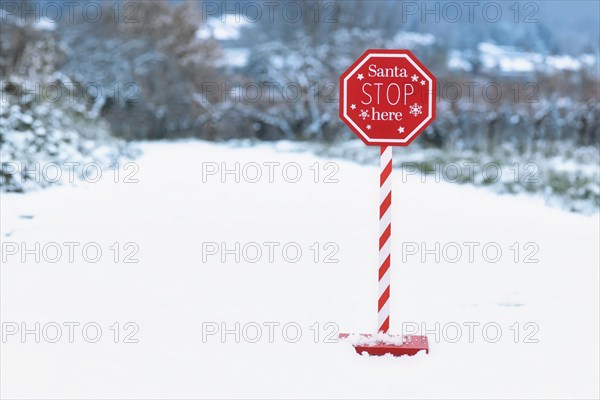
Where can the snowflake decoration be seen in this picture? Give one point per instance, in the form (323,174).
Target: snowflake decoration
(415,77)
(360,77)
(364,114)
(368,127)
(353,106)
(416,109)
(422,83)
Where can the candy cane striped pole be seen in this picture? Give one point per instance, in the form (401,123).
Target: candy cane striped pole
(385,232)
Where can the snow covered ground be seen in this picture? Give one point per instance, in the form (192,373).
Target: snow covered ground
(510,328)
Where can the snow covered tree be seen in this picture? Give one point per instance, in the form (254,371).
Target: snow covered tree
(149,66)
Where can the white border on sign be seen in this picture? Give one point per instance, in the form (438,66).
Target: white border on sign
(387,55)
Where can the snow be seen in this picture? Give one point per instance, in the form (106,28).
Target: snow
(235,57)
(508,59)
(564,62)
(457,62)
(171,292)
(413,39)
(225,28)
(588,59)
(44,24)
(378,338)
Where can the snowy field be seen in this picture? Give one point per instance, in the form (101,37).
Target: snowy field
(541,318)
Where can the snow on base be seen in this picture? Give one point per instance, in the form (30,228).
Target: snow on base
(377,338)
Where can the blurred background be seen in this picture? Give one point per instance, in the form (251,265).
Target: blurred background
(517,82)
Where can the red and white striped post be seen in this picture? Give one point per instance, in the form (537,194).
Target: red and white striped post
(385,241)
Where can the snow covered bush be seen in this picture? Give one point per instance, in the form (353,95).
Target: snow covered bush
(35,134)
(43,120)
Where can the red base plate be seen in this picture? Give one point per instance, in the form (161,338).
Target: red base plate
(411,346)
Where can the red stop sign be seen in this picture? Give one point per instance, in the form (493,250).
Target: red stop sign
(387,97)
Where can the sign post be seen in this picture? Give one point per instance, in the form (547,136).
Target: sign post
(385,233)
(387,98)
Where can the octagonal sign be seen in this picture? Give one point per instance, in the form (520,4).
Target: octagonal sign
(387,97)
